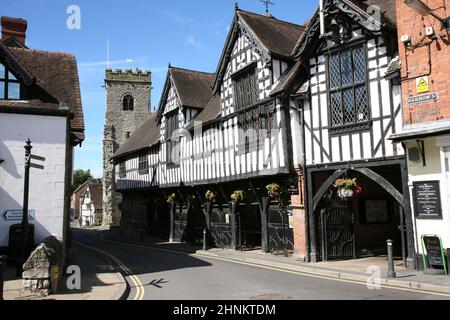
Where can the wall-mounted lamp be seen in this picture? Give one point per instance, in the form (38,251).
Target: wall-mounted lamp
(424,10)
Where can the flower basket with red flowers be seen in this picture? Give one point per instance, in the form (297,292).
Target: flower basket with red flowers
(347,188)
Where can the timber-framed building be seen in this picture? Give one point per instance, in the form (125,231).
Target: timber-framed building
(253,152)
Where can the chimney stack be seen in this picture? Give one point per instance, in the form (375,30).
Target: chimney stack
(14,28)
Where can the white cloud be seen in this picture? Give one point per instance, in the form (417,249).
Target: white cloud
(193,42)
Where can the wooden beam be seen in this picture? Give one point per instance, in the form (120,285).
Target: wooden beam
(382,182)
(324,188)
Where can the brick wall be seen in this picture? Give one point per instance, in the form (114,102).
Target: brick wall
(415,62)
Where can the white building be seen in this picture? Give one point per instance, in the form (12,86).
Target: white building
(39,100)
(91,205)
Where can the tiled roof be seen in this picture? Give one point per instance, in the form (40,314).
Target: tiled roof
(57,83)
(276,36)
(146,136)
(193,87)
(96,191)
(210,113)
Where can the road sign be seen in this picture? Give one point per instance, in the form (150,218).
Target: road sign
(422,85)
(16,215)
(423,98)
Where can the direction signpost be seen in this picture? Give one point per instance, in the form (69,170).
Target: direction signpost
(25,212)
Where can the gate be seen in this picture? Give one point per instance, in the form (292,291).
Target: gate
(180,224)
(281,236)
(249,227)
(337,224)
(221,230)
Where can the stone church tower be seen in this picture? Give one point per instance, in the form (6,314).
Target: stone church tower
(128,105)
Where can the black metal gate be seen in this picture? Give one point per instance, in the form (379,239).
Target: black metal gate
(180,224)
(221,229)
(281,236)
(337,224)
(249,227)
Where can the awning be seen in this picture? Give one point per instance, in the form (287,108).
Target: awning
(422,132)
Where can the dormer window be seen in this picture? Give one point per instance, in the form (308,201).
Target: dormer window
(128,103)
(9,85)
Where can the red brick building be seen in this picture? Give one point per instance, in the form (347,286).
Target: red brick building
(424,50)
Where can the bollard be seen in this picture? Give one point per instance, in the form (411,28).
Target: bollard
(2,266)
(391,267)
(204,239)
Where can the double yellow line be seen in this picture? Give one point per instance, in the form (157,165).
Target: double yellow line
(140,289)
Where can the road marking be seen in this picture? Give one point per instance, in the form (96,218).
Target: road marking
(140,289)
(278,269)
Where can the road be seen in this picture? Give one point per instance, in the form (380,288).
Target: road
(162,275)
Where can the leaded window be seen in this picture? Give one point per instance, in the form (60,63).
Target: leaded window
(128,103)
(9,85)
(122,170)
(347,72)
(172,126)
(256,124)
(245,88)
(143,164)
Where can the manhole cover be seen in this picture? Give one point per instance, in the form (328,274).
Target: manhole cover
(271,296)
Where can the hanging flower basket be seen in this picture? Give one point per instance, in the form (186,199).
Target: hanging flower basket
(238,196)
(275,192)
(347,188)
(211,196)
(172,198)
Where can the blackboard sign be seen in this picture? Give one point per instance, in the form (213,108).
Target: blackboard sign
(427,200)
(434,251)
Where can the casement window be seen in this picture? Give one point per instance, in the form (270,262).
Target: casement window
(347,76)
(172,126)
(128,103)
(143,164)
(9,85)
(122,170)
(245,88)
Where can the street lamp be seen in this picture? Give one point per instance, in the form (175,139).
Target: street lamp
(424,10)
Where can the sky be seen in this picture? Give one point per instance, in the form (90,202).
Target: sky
(142,34)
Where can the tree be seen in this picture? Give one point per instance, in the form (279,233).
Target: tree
(80,177)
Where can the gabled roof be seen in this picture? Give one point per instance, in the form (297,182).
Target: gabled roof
(358,10)
(52,79)
(146,136)
(96,191)
(193,88)
(210,113)
(274,37)
(277,36)
(83,186)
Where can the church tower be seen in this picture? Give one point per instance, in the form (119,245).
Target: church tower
(128,105)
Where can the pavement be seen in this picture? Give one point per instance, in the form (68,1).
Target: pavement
(99,280)
(355,271)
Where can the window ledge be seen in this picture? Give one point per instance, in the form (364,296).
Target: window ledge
(353,127)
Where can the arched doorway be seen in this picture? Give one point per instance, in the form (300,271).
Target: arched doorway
(359,226)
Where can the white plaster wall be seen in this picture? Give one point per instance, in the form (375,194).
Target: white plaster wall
(48,136)
(434,171)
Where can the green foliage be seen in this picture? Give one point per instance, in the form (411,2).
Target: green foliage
(238,195)
(80,177)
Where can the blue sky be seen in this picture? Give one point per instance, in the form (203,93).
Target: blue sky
(147,34)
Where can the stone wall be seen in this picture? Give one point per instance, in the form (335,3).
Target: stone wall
(119,124)
(37,271)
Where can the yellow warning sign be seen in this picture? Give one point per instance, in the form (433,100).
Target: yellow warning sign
(422,85)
